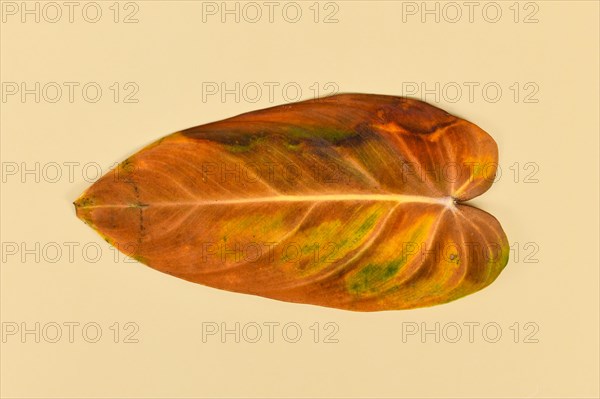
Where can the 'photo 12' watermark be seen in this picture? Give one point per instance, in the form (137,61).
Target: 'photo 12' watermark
(490,332)
(253,332)
(471,92)
(452,12)
(70,92)
(53,332)
(253,12)
(248,173)
(69,12)
(259,253)
(271,92)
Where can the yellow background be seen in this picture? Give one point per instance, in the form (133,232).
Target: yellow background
(168,54)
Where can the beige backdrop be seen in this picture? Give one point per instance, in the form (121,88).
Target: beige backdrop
(527,73)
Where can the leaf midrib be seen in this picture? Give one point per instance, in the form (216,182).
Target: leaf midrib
(398,198)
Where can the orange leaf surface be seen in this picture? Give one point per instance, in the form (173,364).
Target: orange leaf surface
(352,201)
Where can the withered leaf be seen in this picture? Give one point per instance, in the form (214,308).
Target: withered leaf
(352,201)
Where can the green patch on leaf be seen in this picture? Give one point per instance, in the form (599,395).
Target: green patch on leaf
(329,134)
(373,276)
(249,145)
